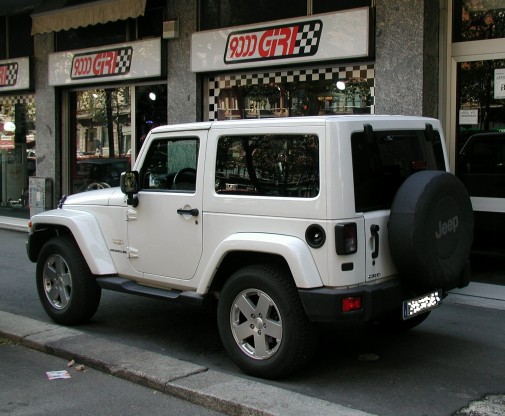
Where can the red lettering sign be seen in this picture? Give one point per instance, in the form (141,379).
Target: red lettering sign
(8,74)
(112,62)
(275,42)
(105,63)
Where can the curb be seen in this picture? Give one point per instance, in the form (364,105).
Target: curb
(14,224)
(212,389)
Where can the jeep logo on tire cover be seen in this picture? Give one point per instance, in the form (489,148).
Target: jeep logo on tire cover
(446,227)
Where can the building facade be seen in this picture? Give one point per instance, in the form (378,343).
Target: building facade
(92,78)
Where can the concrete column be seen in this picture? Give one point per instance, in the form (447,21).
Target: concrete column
(406,68)
(183,87)
(47,117)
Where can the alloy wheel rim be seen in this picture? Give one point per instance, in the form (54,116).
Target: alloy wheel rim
(57,282)
(256,324)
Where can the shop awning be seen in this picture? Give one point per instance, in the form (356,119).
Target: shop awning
(86,14)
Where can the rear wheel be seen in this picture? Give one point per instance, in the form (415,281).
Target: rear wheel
(262,322)
(68,292)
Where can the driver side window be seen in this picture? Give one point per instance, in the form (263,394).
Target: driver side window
(171,165)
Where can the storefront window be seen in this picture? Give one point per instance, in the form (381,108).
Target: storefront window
(151,109)
(481,98)
(17,153)
(346,90)
(3,38)
(478,20)
(19,35)
(481,127)
(216,14)
(102,137)
(324,6)
(15,36)
(92,36)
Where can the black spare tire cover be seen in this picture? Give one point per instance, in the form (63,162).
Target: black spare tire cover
(430,230)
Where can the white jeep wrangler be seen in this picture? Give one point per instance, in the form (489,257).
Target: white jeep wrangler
(285,222)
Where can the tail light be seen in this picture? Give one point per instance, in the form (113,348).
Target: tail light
(346,238)
(351,304)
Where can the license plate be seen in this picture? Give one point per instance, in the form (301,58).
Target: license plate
(421,304)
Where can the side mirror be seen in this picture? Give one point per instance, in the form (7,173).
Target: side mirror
(129,183)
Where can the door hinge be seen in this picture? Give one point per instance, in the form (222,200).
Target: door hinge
(133,253)
(131,214)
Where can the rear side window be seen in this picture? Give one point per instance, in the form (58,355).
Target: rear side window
(268,165)
(382,160)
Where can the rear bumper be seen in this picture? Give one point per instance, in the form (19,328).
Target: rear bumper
(325,304)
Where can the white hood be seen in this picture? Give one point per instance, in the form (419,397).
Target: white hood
(109,196)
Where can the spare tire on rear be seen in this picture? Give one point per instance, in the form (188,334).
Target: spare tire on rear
(430,230)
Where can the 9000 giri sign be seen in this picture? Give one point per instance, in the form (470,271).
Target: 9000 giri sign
(421,304)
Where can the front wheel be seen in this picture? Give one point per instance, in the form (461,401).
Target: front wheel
(262,323)
(67,291)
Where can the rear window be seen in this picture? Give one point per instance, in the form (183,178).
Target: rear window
(382,160)
(268,165)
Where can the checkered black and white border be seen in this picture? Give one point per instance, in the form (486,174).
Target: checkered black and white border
(10,100)
(307,39)
(302,75)
(123,60)
(12,74)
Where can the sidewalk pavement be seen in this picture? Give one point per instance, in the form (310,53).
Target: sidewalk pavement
(14,224)
(479,294)
(215,390)
(212,389)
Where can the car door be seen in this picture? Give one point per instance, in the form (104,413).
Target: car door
(165,229)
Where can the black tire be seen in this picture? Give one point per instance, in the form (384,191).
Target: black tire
(430,231)
(265,341)
(66,288)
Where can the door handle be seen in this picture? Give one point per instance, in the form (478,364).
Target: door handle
(374,230)
(193,212)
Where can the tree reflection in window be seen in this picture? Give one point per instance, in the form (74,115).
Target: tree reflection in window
(478,20)
(290,99)
(268,165)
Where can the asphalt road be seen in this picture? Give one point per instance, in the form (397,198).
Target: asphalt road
(455,357)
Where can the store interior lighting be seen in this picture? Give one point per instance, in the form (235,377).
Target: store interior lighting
(9,127)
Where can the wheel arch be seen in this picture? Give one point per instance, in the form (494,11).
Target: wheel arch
(243,249)
(85,230)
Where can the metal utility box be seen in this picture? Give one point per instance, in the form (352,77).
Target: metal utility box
(40,194)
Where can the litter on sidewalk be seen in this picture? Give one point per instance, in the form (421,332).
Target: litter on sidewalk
(56,375)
